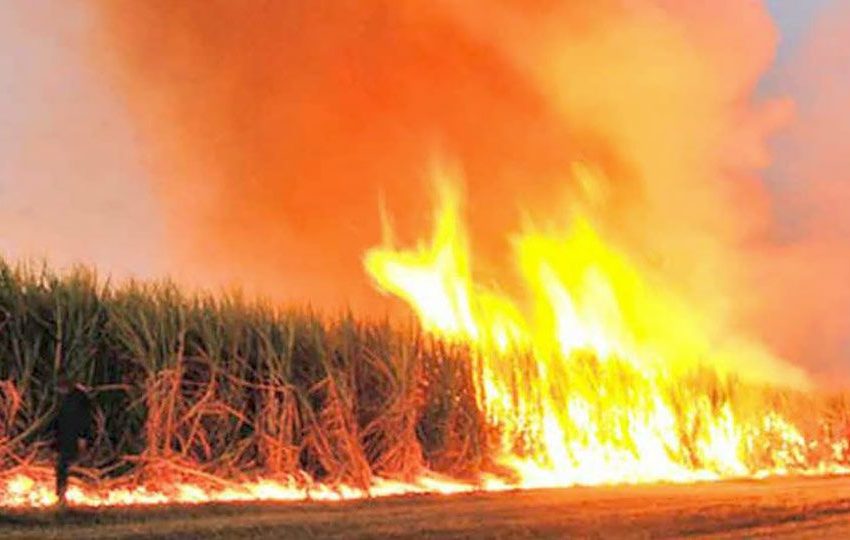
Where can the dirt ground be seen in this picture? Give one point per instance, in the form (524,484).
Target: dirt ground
(775,508)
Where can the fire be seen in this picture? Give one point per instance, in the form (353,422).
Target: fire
(27,489)
(598,375)
(595,378)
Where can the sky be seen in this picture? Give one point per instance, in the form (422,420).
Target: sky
(73,181)
(793,18)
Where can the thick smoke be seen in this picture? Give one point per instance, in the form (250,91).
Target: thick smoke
(281,125)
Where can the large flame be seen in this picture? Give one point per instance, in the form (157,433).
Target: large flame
(597,375)
(601,375)
(602,370)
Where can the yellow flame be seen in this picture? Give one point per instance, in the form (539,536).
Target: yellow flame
(32,490)
(598,378)
(611,352)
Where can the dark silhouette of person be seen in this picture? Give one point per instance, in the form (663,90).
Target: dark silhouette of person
(72,431)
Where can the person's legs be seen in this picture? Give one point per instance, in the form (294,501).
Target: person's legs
(63,464)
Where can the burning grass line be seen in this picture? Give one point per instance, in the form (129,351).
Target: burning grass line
(31,488)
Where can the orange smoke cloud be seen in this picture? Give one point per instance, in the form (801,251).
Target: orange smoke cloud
(280,126)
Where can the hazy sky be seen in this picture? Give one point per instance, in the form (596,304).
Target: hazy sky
(72,177)
(793,18)
(60,124)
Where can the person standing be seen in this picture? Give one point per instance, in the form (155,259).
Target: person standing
(72,431)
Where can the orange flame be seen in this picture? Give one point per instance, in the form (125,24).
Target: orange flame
(609,350)
(28,490)
(600,377)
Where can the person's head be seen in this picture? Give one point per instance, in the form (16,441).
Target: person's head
(63,385)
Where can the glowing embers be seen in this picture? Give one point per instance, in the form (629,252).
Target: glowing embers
(34,489)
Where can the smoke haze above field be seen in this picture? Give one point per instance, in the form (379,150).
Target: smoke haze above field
(255,142)
(280,126)
(73,185)
(808,281)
